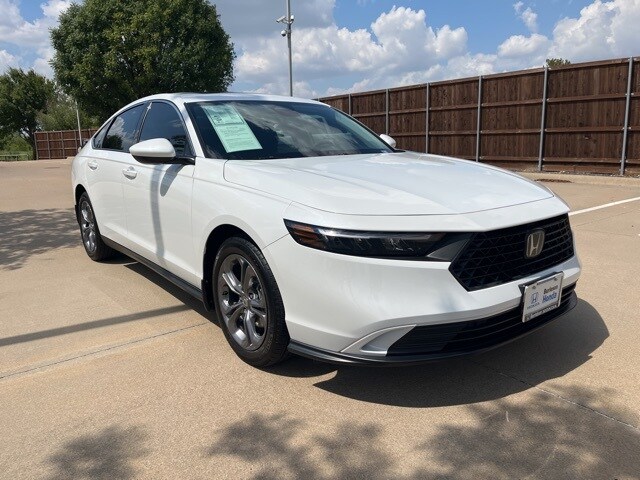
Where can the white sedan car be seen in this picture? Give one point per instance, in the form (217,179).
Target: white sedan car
(307,233)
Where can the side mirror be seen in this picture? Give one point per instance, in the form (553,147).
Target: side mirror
(388,140)
(155,150)
(84,141)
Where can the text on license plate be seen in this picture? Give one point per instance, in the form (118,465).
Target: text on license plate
(542,296)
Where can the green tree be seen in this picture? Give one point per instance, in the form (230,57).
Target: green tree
(557,62)
(22,96)
(61,114)
(111,52)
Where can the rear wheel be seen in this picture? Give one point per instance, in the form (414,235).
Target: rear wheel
(91,239)
(249,304)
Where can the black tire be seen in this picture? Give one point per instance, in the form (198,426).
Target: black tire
(261,296)
(92,241)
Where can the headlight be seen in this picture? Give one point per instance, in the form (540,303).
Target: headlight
(399,245)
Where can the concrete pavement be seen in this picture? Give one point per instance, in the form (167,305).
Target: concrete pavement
(107,371)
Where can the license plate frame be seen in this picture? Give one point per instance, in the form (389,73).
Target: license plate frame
(541,296)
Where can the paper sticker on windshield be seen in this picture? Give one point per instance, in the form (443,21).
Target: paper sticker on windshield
(234,133)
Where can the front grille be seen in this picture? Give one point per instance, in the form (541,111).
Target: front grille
(497,257)
(458,338)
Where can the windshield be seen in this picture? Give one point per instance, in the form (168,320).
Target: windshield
(250,130)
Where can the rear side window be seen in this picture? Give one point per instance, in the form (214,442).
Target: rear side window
(122,132)
(163,121)
(99,137)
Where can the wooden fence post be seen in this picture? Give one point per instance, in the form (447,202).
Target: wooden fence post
(625,130)
(426,135)
(479,118)
(543,118)
(386,114)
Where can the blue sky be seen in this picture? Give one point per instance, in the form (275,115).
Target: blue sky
(488,22)
(357,45)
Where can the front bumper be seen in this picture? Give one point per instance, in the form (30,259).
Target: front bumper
(437,342)
(362,306)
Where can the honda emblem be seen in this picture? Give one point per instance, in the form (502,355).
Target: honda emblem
(535,243)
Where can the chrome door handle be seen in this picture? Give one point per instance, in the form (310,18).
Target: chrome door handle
(130,172)
(92,165)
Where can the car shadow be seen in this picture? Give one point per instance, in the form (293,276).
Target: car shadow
(172,289)
(551,352)
(26,233)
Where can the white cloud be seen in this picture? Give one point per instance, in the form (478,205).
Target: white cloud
(521,46)
(527,15)
(34,35)
(451,42)
(7,60)
(399,42)
(603,29)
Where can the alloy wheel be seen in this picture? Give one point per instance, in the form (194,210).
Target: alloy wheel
(88,226)
(243,302)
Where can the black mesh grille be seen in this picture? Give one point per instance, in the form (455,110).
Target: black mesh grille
(451,339)
(497,257)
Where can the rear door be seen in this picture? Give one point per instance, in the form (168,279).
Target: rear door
(107,158)
(157,199)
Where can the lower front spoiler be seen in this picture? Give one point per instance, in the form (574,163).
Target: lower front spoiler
(398,360)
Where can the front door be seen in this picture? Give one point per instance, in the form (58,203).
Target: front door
(157,198)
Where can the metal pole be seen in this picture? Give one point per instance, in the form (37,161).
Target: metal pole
(289,21)
(79,145)
(386,107)
(625,131)
(479,118)
(543,118)
(426,114)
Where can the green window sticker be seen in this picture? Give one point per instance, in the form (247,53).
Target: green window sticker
(232,129)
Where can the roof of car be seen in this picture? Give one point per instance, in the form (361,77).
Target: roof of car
(186,97)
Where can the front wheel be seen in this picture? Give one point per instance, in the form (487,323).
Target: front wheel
(248,303)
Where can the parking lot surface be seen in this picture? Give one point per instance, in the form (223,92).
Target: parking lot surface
(108,371)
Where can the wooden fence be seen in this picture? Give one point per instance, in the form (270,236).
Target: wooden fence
(582,117)
(60,143)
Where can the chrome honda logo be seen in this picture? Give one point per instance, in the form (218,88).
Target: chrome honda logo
(535,243)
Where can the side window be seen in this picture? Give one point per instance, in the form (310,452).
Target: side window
(163,121)
(99,137)
(122,133)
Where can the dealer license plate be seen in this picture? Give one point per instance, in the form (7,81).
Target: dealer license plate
(542,296)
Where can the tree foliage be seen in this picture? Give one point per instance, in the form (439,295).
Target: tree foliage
(61,114)
(557,62)
(23,95)
(111,52)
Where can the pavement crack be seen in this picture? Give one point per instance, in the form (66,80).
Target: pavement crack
(96,352)
(556,395)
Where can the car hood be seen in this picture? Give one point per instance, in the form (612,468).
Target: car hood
(400,183)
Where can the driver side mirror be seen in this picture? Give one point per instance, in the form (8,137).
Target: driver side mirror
(157,151)
(388,140)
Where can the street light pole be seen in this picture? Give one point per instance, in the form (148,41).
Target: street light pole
(79,129)
(287,20)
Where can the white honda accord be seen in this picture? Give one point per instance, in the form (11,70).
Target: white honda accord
(308,233)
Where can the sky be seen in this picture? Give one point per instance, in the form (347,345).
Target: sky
(344,46)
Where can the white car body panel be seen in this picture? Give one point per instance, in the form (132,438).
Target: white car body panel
(105,183)
(387,184)
(333,302)
(158,217)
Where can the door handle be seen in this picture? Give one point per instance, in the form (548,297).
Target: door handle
(130,172)
(93,165)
